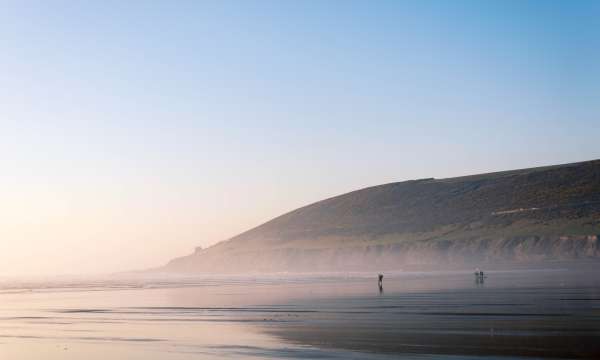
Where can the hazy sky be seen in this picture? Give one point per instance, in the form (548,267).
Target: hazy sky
(133,131)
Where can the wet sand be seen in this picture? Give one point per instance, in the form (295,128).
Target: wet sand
(553,314)
(541,318)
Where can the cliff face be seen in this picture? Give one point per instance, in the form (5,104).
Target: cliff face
(530,215)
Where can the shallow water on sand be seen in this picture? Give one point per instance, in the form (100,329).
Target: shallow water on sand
(554,313)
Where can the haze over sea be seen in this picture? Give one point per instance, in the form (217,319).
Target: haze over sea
(539,313)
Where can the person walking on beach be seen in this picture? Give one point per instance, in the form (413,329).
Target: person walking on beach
(380,281)
(479,276)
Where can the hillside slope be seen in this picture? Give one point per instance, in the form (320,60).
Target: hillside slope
(530,215)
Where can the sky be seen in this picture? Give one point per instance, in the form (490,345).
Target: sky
(133,131)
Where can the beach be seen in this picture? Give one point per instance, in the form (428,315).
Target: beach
(434,315)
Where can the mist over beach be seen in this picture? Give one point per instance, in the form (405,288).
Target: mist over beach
(263,179)
(519,314)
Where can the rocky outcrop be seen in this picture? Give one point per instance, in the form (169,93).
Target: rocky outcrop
(432,253)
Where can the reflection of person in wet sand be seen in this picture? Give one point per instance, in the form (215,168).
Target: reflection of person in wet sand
(479,276)
(380,282)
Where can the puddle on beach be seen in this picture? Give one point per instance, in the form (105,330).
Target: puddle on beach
(540,313)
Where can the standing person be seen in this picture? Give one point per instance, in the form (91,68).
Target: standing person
(479,276)
(380,281)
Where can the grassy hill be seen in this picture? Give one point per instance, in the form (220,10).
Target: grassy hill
(521,216)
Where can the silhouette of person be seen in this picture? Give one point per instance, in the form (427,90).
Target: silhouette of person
(380,282)
(479,276)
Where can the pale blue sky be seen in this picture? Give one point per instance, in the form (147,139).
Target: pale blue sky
(132,131)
